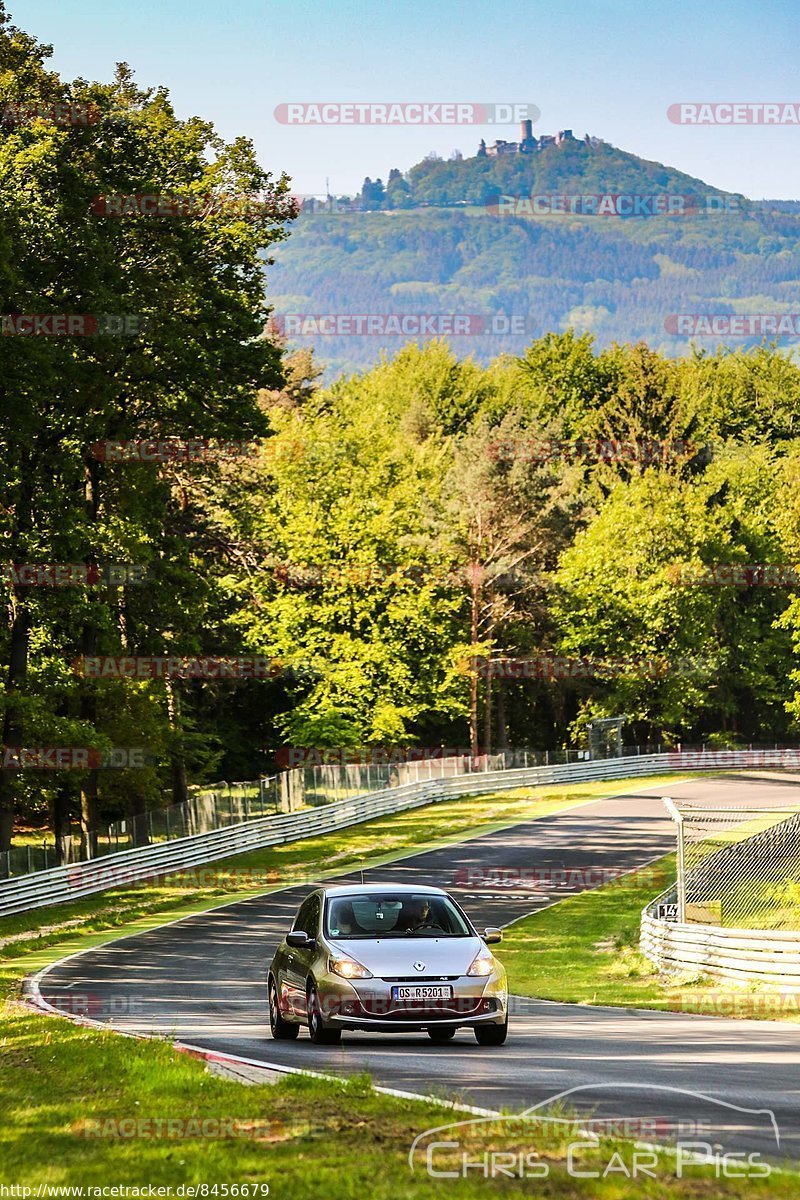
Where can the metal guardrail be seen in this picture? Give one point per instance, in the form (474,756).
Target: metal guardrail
(59,885)
(62,884)
(770,956)
(725,915)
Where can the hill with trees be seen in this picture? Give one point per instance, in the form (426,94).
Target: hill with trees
(441,240)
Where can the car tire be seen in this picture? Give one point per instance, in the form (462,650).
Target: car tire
(491,1035)
(282,1031)
(441,1033)
(320,1033)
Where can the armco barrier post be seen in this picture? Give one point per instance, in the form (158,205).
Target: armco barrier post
(677,817)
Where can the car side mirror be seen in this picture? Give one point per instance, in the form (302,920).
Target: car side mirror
(300,940)
(491,935)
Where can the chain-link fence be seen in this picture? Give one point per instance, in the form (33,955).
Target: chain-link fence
(738,867)
(214,806)
(217,805)
(324,783)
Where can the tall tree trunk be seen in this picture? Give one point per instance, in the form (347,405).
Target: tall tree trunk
(473,677)
(88,707)
(13,723)
(140,829)
(487,715)
(180,789)
(60,812)
(17,675)
(502,731)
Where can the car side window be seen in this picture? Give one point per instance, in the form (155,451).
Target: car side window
(307,919)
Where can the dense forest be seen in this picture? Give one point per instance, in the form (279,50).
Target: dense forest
(377,544)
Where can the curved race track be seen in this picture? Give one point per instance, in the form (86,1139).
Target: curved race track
(201,980)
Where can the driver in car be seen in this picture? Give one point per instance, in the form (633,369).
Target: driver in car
(416,915)
(346,922)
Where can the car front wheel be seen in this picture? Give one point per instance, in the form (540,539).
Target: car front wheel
(491,1035)
(320,1033)
(282,1031)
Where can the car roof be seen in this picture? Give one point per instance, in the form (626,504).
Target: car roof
(369,889)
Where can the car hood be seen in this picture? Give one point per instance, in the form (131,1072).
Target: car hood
(396,956)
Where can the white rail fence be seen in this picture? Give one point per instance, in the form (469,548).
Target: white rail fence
(62,884)
(732,912)
(764,956)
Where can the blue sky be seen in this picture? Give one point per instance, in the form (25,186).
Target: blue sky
(609,68)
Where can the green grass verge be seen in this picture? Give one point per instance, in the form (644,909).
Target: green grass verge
(585,950)
(308,1139)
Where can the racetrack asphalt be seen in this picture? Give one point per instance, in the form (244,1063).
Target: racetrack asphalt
(201,980)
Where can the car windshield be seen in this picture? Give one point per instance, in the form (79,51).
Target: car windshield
(406,915)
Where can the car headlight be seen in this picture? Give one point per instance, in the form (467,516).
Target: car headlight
(348,968)
(482,964)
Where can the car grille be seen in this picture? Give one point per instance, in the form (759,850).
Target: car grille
(419,978)
(420,1010)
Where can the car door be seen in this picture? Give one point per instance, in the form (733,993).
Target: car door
(298,961)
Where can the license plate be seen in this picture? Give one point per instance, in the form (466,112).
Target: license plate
(426,991)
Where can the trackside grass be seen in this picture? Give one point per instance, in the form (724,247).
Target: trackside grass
(585,950)
(91,1108)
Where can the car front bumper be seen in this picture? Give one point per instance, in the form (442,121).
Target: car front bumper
(368,1003)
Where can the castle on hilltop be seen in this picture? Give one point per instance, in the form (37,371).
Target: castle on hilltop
(527,144)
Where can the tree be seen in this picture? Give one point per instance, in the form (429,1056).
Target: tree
(372,194)
(192,286)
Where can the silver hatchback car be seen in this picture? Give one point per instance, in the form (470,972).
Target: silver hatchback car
(386,957)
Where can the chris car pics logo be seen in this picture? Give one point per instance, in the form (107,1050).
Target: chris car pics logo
(703,1132)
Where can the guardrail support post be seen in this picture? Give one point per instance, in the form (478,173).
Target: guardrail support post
(677,817)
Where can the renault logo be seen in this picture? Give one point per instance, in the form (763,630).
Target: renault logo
(418,966)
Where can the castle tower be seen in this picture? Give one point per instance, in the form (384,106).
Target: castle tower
(482,149)
(525,131)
